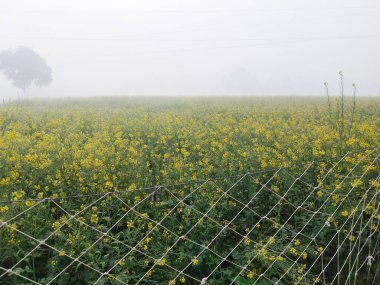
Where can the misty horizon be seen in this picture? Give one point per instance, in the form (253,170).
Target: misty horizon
(170,48)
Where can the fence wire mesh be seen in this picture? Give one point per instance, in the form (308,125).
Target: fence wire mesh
(319,226)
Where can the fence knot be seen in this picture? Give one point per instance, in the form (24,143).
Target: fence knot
(204,280)
(370,259)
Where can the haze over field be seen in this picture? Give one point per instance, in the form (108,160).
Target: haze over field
(199,47)
(189,142)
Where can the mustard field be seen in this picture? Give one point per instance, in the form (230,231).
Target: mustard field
(198,190)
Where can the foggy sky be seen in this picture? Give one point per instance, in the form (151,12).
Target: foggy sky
(200,47)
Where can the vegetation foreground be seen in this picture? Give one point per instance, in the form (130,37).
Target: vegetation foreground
(243,191)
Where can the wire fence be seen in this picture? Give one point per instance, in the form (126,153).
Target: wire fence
(320,226)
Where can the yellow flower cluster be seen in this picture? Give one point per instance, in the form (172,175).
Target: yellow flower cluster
(161,262)
(96,151)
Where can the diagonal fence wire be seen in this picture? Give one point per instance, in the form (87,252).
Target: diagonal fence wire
(307,222)
(365,235)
